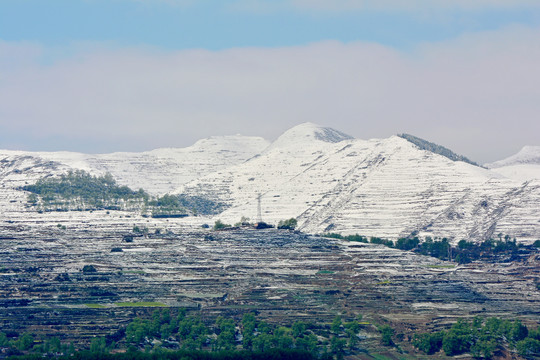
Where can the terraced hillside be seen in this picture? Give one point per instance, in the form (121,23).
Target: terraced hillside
(48,283)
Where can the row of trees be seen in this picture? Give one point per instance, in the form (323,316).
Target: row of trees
(464,252)
(481,338)
(79,190)
(289,224)
(168,330)
(189,332)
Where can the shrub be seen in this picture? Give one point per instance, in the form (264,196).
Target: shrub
(528,347)
(387,332)
(218,225)
(89,269)
(428,343)
(289,224)
(407,244)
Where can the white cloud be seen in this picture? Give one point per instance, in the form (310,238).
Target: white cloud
(392,5)
(477,94)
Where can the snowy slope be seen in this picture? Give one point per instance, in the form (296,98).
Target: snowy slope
(388,188)
(527,155)
(523,166)
(328,180)
(158,171)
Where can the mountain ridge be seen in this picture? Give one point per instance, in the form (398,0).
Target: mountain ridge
(378,187)
(326,179)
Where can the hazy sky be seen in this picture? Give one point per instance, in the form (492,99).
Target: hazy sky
(131,75)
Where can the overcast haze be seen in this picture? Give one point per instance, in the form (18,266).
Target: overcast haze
(100,76)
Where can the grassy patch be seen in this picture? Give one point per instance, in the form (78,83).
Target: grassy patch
(141,304)
(95,306)
(139,272)
(324,272)
(385,282)
(380,357)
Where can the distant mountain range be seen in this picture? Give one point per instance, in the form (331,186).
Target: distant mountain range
(329,181)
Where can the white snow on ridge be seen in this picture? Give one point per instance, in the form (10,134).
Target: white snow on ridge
(157,171)
(527,155)
(386,188)
(328,180)
(523,166)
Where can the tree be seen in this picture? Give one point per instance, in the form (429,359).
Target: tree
(528,347)
(298,329)
(337,347)
(289,224)
(218,225)
(428,343)
(336,325)
(458,339)
(98,345)
(226,338)
(387,332)
(519,331)
(249,323)
(308,343)
(25,342)
(352,328)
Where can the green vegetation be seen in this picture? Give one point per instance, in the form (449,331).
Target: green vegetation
(481,338)
(81,191)
(95,306)
(387,334)
(78,190)
(357,238)
(465,251)
(437,149)
(200,205)
(173,334)
(289,224)
(244,221)
(325,272)
(138,272)
(100,352)
(167,206)
(219,225)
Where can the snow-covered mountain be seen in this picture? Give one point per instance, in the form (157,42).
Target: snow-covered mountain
(523,166)
(389,188)
(326,179)
(157,171)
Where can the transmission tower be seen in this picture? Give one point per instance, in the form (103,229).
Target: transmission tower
(259,212)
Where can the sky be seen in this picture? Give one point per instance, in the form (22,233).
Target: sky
(101,76)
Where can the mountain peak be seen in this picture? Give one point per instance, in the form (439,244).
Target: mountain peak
(311,132)
(528,155)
